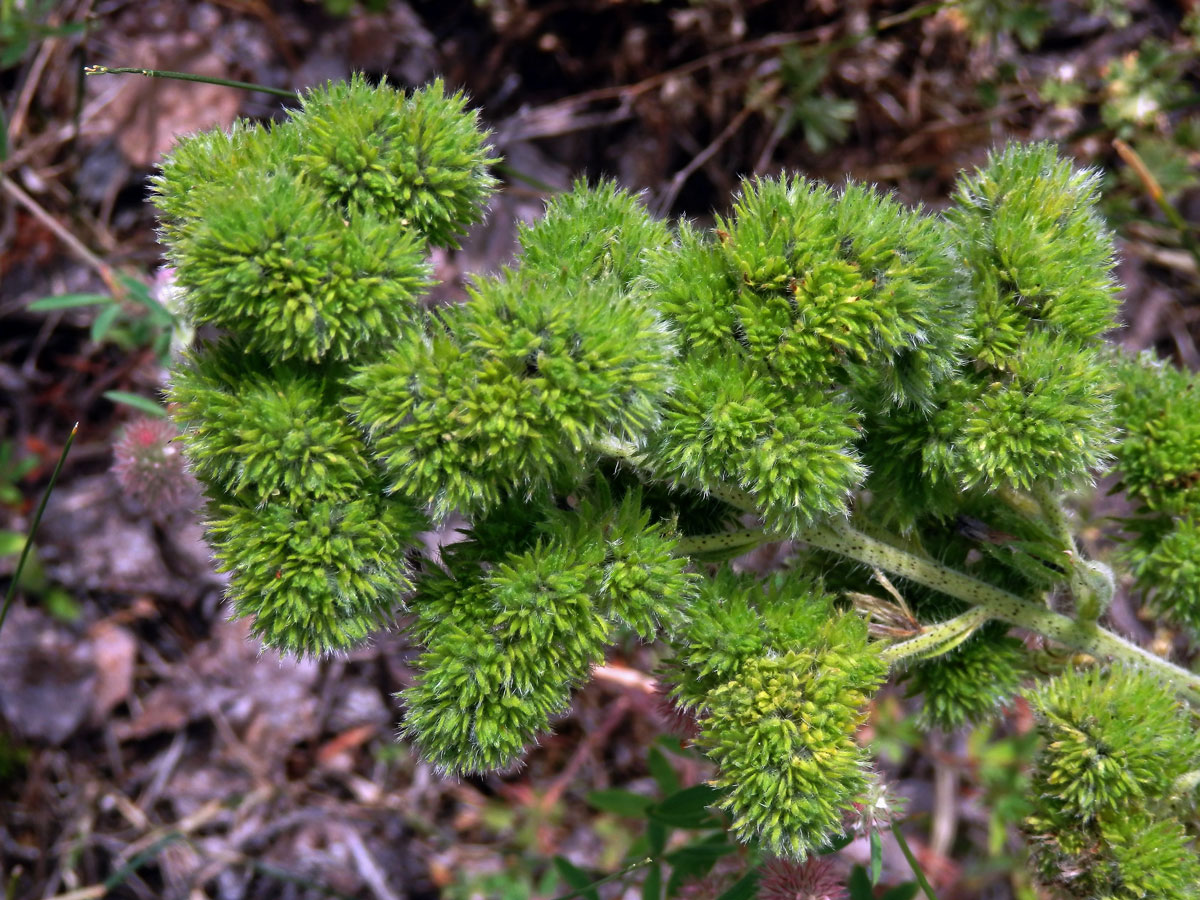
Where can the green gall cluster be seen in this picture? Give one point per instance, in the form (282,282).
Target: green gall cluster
(971,683)
(215,157)
(798,311)
(1039,255)
(805,287)
(1169,566)
(506,393)
(1031,401)
(506,645)
(1116,746)
(1040,260)
(1158,459)
(780,684)
(1159,453)
(301,272)
(309,240)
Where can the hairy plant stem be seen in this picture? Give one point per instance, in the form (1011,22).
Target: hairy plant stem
(743,540)
(1088,605)
(190,76)
(842,539)
(935,640)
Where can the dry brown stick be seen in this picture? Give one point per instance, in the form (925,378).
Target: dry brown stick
(587,746)
(29,88)
(1154,189)
(91,892)
(103,269)
(627,678)
(668,198)
(626,92)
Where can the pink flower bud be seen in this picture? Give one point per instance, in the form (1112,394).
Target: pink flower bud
(149,465)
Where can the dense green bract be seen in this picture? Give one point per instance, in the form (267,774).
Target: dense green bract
(1107,787)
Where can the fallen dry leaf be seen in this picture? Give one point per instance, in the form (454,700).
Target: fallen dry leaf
(47,676)
(150,114)
(115,652)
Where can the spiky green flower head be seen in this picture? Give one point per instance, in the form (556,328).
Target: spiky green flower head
(1039,255)
(1151,858)
(206,163)
(1117,751)
(971,683)
(1112,741)
(507,642)
(267,434)
(1159,453)
(421,161)
(273,262)
(793,451)
(317,578)
(592,232)
(1167,566)
(503,650)
(779,680)
(644,584)
(853,290)
(508,395)
(1046,416)
(735,618)
(782,735)
(1131,857)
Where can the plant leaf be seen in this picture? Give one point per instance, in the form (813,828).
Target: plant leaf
(67,301)
(620,802)
(138,402)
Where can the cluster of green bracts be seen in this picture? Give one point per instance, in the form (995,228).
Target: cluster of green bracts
(603,410)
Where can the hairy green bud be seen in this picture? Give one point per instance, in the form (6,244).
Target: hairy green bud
(734,619)
(592,233)
(506,646)
(1112,739)
(508,395)
(1168,568)
(779,681)
(971,683)
(266,434)
(273,262)
(419,161)
(1045,417)
(207,163)
(319,577)
(1159,453)
(794,454)
(1038,253)
(1114,747)
(782,735)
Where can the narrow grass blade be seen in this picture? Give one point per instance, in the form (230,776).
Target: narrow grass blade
(33,527)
